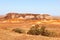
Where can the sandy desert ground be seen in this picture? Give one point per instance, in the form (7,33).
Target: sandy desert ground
(7,34)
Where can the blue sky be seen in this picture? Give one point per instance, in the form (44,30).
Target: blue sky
(51,7)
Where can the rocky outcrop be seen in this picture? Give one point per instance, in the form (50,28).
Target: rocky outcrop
(28,16)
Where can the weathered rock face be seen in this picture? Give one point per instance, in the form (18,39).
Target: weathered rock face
(28,16)
(12,15)
(44,16)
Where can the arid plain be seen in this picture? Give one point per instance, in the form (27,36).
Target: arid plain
(7,25)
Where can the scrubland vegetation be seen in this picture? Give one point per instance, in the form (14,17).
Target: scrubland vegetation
(36,30)
(28,30)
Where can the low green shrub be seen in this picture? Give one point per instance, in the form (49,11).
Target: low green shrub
(18,30)
(35,30)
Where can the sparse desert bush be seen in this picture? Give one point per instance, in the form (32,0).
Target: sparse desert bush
(40,31)
(45,32)
(51,34)
(18,30)
(34,30)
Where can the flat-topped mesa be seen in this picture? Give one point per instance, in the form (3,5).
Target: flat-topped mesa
(28,16)
(11,15)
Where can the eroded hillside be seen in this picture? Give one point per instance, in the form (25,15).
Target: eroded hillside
(25,22)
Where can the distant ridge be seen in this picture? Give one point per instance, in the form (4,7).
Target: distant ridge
(28,16)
